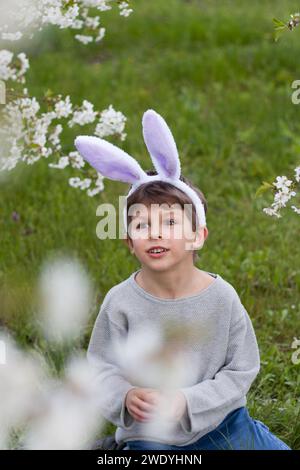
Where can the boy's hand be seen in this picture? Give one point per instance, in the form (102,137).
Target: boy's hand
(174,406)
(139,404)
(143,402)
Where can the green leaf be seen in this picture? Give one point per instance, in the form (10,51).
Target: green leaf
(279,23)
(263,188)
(280,27)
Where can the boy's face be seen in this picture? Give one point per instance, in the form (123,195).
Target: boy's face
(163,226)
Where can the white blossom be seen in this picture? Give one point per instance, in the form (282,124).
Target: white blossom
(20,380)
(28,134)
(285,192)
(85,183)
(83,115)
(92,22)
(64,291)
(282,182)
(76,159)
(54,136)
(63,108)
(26,16)
(69,416)
(100,34)
(11,36)
(99,186)
(62,163)
(75,182)
(296,209)
(111,122)
(125,10)
(163,353)
(83,38)
(282,197)
(271,211)
(53,412)
(56,16)
(11,69)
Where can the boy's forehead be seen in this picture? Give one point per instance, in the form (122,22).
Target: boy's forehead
(156,209)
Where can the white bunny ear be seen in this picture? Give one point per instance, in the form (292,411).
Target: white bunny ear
(109,160)
(161,145)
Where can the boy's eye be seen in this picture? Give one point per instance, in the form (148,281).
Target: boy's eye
(141,225)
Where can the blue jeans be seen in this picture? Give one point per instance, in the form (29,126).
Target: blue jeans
(238,431)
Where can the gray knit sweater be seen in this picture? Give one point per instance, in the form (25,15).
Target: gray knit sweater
(224,366)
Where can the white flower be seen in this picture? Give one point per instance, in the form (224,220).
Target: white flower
(62,163)
(296,209)
(83,38)
(24,65)
(26,16)
(297,174)
(41,129)
(11,36)
(110,122)
(29,107)
(84,115)
(282,197)
(75,182)
(92,21)
(93,192)
(168,368)
(85,183)
(63,108)
(65,295)
(20,380)
(8,70)
(101,5)
(282,182)
(125,10)
(54,137)
(76,160)
(271,212)
(100,35)
(64,19)
(69,415)
(99,186)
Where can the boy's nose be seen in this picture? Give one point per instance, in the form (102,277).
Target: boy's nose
(155,232)
(155,235)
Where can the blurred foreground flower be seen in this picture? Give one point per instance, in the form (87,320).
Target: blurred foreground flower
(65,296)
(49,410)
(159,359)
(68,417)
(21,378)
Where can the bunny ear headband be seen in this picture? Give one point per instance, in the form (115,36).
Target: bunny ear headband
(116,164)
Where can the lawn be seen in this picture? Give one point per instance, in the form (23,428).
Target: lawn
(214,72)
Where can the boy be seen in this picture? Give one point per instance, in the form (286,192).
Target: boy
(209,411)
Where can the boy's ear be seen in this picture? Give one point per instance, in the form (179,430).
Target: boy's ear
(201,236)
(127,241)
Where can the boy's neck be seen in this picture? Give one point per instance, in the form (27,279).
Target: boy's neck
(173,283)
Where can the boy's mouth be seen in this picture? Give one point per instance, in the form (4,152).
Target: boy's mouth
(157,251)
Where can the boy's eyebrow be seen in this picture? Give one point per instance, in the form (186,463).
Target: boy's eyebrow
(141,217)
(169,211)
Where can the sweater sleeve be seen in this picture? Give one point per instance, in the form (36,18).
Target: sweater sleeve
(208,400)
(109,381)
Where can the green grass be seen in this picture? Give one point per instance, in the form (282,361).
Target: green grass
(213,71)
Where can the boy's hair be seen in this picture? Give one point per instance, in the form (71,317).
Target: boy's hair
(160,192)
